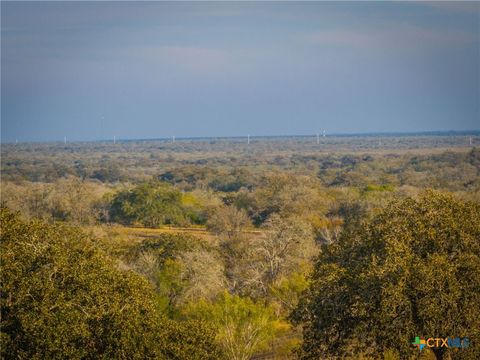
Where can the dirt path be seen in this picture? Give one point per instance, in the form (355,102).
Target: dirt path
(196,231)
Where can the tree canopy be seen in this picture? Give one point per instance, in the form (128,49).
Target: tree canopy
(61,297)
(412,270)
(151,204)
(243,326)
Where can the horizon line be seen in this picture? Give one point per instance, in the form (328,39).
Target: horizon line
(475,132)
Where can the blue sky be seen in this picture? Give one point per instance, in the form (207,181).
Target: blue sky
(91,70)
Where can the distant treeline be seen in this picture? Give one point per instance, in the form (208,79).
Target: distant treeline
(351,162)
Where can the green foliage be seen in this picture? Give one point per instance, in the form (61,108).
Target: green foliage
(288,290)
(380,188)
(165,245)
(284,195)
(110,172)
(189,340)
(390,354)
(62,298)
(181,267)
(215,178)
(326,229)
(169,284)
(414,269)
(193,209)
(150,204)
(243,326)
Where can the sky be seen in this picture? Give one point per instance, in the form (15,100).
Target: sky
(92,70)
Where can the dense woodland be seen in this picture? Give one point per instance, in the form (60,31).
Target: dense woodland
(283,248)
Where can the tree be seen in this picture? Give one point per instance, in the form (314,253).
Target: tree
(73,200)
(150,204)
(287,291)
(109,172)
(327,229)
(68,199)
(189,340)
(413,270)
(61,297)
(286,195)
(244,327)
(180,266)
(203,274)
(229,224)
(228,221)
(283,247)
(254,263)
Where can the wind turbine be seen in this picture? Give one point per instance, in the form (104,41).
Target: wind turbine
(101,127)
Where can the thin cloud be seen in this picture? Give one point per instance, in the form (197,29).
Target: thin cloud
(341,37)
(196,59)
(403,36)
(456,6)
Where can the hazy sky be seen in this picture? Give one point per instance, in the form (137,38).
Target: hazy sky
(91,70)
